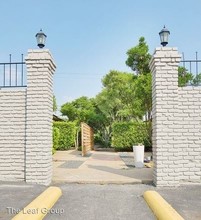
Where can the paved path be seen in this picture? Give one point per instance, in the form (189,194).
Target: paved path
(99,167)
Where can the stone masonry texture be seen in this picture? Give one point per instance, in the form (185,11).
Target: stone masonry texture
(26,124)
(12,134)
(176,123)
(39,111)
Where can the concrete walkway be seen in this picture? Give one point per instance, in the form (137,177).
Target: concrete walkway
(98,167)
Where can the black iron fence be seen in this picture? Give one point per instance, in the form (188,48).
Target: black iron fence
(192,66)
(12,74)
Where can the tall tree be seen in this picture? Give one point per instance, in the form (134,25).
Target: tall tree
(139,57)
(143,94)
(120,88)
(117,102)
(138,60)
(79,110)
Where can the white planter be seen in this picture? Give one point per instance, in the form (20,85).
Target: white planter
(138,156)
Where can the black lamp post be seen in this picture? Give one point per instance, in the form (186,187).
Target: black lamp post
(164,34)
(41,37)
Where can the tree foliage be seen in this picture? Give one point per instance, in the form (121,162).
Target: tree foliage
(196,80)
(139,57)
(117,86)
(80,110)
(185,78)
(124,97)
(124,101)
(117,92)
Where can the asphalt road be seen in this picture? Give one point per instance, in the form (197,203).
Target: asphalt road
(98,202)
(14,197)
(102,202)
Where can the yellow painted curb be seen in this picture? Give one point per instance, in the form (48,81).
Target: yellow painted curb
(161,209)
(39,207)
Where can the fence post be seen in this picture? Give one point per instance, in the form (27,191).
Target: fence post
(39,113)
(164,68)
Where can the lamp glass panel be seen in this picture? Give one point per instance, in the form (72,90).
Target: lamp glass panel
(161,37)
(40,40)
(165,36)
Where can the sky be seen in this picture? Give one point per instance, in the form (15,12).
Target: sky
(88,38)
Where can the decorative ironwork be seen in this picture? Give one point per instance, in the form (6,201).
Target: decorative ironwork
(192,66)
(12,74)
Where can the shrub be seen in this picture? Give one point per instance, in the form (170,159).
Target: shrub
(67,135)
(53,150)
(127,134)
(55,136)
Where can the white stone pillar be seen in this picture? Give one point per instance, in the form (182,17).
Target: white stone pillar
(39,112)
(164,68)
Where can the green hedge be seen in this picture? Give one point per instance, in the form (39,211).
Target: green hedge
(127,134)
(55,136)
(67,131)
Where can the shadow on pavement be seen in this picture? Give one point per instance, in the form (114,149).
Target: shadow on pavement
(144,174)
